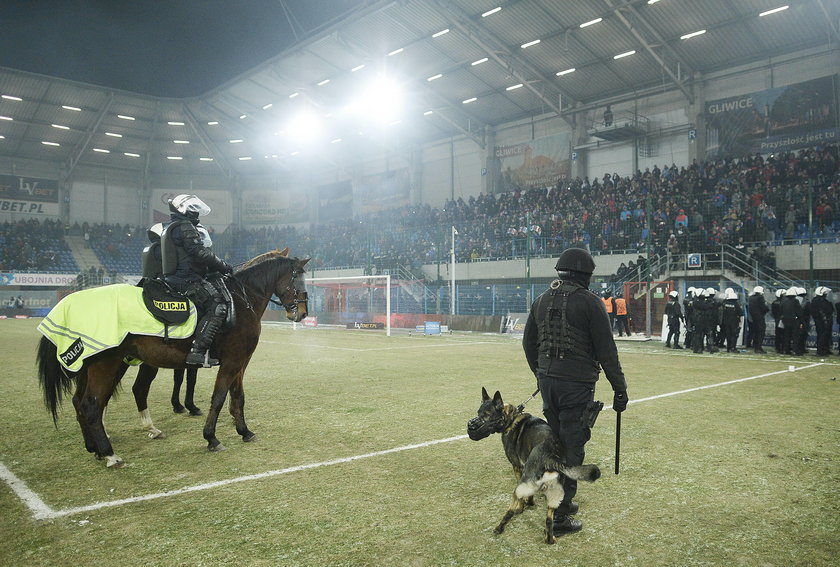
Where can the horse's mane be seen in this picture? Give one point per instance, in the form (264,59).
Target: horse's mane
(263,271)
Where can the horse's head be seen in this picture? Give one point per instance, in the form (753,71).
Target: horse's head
(291,289)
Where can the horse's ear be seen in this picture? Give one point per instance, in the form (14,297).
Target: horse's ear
(484,395)
(285,252)
(304,261)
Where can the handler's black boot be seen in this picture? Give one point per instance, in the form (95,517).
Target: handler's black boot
(565,524)
(567,508)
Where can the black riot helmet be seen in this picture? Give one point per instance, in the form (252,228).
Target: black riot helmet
(575,260)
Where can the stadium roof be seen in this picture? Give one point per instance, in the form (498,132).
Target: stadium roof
(430,70)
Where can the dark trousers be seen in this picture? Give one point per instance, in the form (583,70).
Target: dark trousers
(673,332)
(759,328)
(823,339)
(622,325)
(565,406)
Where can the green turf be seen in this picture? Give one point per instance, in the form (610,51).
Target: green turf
(743,474)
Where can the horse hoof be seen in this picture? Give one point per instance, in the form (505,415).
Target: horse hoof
(196,412)
(178,409)
(216,448)
(250,437)
(114,462)
(157,434)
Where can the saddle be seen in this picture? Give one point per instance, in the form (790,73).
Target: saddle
(171,307)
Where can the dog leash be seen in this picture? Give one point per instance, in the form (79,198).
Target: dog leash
(521,407)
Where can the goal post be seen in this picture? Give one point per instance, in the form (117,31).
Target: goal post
(339,297)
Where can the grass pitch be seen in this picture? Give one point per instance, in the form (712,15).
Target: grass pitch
(741,474)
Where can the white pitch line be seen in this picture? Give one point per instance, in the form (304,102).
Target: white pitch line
(38,507)
(41,511)
(440,345)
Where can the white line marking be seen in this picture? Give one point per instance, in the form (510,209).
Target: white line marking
(440,345)
(41,511)
(38,507)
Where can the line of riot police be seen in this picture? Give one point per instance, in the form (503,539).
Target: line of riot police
(713,320)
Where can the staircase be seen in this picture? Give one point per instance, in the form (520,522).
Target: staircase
(85,256)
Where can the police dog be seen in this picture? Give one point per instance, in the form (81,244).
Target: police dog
(536,453)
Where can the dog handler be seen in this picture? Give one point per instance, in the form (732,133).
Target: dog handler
(567,341)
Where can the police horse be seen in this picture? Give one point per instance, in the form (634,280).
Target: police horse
(252,286)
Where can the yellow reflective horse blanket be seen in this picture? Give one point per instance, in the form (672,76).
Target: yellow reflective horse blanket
(93,320)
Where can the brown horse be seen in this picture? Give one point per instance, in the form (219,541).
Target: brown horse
(251,285)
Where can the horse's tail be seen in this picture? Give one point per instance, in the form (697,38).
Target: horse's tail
(54,380)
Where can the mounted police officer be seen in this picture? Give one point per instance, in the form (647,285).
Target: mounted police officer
(757,309)
(674,313)
(191,267)
(567,341)
(151,259)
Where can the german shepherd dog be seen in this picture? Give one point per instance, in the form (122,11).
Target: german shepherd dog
(536,453)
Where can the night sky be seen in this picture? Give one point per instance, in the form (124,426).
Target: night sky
(169,48)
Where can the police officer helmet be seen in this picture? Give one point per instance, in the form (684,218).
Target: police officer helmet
(674,293)
(801,291)
(780,292)
(727,290)
(576,260)
(710,292)
(758,290)
(822,290)
(730,294)
(155,232)
(690,290)
(791,292)
(189,205)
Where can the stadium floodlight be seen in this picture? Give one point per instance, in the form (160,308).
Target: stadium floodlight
(113,134)
(267,106)
(491,12)
(591,22)
(479,61)
(773,11)
(514,87)
(435,77)
(625,54)
(380,101)
(60,126)
(174,123)
(213,123)
(566,72)
(441,32)
(73,108)
(131,154)
(469,100)
(50,143)
(530,43)
(304,127)
(357,68)
(10,97)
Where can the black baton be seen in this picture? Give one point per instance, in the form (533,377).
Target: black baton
(617,440)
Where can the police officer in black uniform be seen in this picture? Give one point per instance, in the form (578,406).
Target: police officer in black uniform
(757,309)
(730,320)
(690,316)
(776,312)
(674,314)
(151,258)
(823,313)
(791,311)
(192,268)
(567,341)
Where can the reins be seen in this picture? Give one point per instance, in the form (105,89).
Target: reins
(298,297)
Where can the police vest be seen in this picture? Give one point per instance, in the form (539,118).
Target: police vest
(152,265)
(620,306)
(558,338)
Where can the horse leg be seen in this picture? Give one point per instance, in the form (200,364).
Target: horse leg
(145,377)
(81,385)
(217,400)
(100,386)
(178,379)
(120,373)
(237,408)
(189,397)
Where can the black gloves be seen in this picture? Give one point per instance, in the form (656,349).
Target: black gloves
(223,267)
(620,401)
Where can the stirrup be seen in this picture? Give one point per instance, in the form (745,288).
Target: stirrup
(197,359)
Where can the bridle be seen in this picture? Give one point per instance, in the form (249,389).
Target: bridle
(298,296)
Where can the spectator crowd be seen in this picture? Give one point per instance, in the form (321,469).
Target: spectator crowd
(694,208)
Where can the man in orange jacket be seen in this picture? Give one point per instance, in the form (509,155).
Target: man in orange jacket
(621,316)
(609,304)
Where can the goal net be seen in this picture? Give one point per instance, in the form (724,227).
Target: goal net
(362,302)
